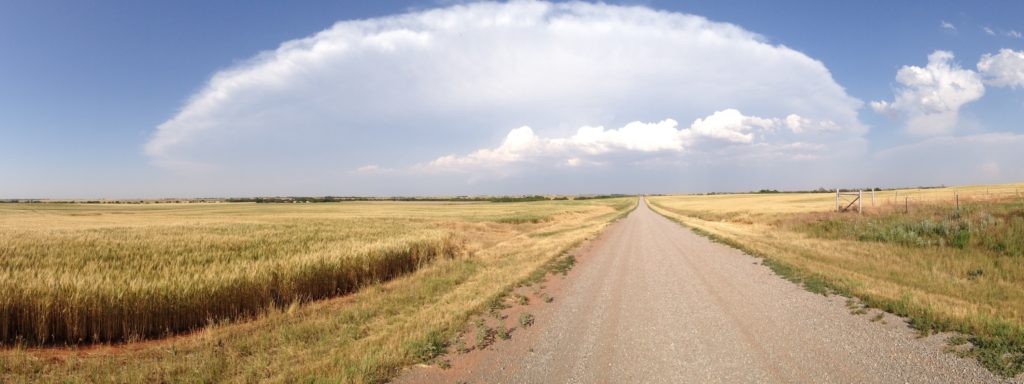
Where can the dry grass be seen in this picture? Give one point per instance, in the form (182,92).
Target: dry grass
(912,264)
(364,337)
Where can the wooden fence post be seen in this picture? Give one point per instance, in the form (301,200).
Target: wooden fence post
(860,201)
(837,199)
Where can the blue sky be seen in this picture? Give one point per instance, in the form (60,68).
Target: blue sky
(85,86)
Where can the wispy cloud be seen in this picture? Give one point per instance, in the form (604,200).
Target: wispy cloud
(948,26)
(372,169)
(1012,33)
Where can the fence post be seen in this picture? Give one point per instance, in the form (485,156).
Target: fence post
(872,197)
(906,204)
(860,201)
(957,201)
(837,199)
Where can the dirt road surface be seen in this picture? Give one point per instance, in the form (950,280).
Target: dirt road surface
(652,302)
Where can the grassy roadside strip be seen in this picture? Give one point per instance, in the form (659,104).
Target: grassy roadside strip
(559,264)
(997,342)
(366,337)
(437,344)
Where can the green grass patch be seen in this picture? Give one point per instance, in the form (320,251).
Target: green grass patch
(996,227)
(433,345)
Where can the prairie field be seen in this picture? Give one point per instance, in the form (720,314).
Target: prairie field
(918,253)
(242,291)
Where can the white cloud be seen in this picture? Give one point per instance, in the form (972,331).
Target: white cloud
(590,144)
(930,98)
(948,26)
(728,125)
(395,90)
(988,31)
(799,124)
(1004,69)
(1014,34)
(522,144)
(372,169)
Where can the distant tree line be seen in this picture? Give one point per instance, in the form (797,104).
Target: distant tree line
(492,199)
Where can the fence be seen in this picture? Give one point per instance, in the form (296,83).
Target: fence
(909,197)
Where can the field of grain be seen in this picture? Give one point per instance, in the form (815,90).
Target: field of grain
(248,276)
(99,273)
(912,252)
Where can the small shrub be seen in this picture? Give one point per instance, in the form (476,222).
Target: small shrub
(525,320)
(975,274)
(960,239)
(522,300)
(497,304)
(502,332)
(484,335)
(460,346)
(564,264)
(430,347)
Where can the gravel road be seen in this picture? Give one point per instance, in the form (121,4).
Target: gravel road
(653,302)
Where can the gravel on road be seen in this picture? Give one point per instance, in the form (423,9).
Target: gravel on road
(652,302)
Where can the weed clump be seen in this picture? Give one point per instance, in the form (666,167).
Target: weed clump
(525,320)
(502,332)
(564,264)
(522,300)
(433,345)
(484,334)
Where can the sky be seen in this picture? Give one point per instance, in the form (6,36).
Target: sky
(122,99)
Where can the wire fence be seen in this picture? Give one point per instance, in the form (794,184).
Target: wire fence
(907,199)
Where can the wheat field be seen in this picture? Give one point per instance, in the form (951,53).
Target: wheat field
(460,258)
(74,273)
